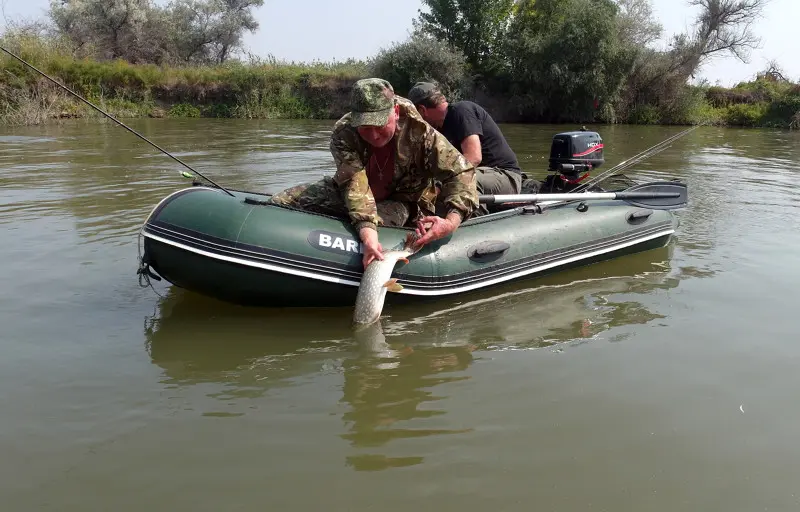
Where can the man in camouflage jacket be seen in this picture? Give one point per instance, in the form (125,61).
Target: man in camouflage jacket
(422,173)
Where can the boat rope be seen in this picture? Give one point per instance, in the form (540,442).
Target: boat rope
(143,271)
(647,153)
(119,123)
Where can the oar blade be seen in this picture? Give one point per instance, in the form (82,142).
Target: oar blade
(657,195)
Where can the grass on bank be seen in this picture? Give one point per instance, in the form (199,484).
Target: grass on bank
(271,89)
(764,102)
(260,89)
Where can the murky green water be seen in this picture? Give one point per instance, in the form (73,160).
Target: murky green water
(664,381)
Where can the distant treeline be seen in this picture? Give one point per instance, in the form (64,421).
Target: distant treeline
(574,61)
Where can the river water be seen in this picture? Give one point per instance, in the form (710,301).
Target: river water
(662,381)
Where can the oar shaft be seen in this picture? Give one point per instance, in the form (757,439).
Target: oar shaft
(526,198)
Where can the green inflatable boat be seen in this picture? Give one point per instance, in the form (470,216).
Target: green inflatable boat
(238,247)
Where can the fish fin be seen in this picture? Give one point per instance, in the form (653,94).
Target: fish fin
(392,285)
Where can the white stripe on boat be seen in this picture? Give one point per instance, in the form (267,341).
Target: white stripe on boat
(412,291)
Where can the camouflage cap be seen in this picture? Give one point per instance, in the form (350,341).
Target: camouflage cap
(422,91)
(371,101)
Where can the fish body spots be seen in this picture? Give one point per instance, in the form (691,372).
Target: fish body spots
(375,282)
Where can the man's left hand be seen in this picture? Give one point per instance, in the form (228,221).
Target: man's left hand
(433,228)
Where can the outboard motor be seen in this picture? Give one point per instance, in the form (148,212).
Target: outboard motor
(572,156)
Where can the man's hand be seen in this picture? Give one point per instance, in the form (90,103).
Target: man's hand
(372,248)
(435,227)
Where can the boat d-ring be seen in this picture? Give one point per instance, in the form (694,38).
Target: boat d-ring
(582,207)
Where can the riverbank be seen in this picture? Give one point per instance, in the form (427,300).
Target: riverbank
(233,90)
(272,90)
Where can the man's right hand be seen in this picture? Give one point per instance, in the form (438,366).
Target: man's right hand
(372,248)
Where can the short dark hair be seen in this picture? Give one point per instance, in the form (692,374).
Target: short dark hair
(427,94)
(433,100)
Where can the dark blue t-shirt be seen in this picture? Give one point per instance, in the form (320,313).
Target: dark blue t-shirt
(465,118)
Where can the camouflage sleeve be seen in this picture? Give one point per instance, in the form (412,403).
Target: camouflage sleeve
(351,178)
(457,175)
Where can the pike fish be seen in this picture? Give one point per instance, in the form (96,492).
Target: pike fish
(375,283)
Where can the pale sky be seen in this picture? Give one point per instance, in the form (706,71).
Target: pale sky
(329,30)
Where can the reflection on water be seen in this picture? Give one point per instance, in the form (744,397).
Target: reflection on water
(198,340)
(109,180)
(391,402)
(579,303)
(396,373)
(627,368)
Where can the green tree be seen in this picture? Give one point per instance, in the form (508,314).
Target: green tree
(635,24)
(475,27)
(206,31)
(564,58)
(110,29)
(659,78)
(185,31)
(421,58)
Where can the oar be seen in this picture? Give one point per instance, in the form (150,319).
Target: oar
(658,195)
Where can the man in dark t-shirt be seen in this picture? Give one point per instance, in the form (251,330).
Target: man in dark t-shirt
(472,130)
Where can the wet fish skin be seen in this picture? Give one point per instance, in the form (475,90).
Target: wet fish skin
(375,282)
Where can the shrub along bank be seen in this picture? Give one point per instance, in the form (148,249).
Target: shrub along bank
(270,89)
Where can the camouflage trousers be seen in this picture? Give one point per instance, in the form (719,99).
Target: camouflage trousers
(324,197)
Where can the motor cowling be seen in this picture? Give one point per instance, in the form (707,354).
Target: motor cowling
(575,152)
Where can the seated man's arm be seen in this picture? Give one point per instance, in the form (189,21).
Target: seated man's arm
(467,129)
(471,149)
(456,174)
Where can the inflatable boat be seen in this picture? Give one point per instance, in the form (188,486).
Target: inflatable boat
(238,247)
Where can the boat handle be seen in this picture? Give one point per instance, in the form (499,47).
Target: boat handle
(485,249)
(639,215)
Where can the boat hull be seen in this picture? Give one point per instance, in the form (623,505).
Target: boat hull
(242,250)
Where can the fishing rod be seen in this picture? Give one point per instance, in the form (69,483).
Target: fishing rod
(661,146)
(120,123)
